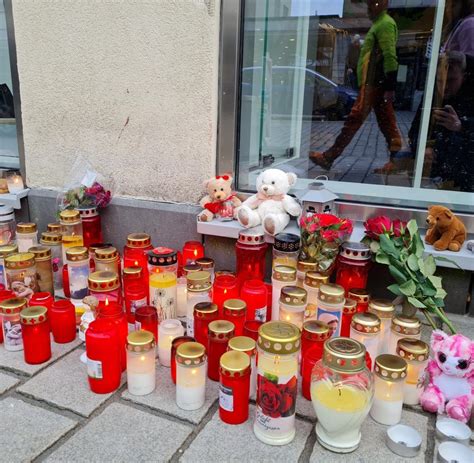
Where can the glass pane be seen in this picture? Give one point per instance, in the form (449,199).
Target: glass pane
(332,87)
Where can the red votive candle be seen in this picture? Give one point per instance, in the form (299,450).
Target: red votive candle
(66,289)
(251,328)
(250,251)
(234,390)
(234,311)
(314,335)
(135,252)
(36,334)
(62,318)
(4,294)
(192,250)
(353,264)
(175,343)
(312,355)
(350,308)
(219,333)
(146,318)
(103,356)
(204,313)
(255,295)
(362,298)
(136,295)
(43,299)
(225,287)
(105,285)
(91,225)
(269,300)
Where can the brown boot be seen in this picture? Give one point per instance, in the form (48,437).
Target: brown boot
(321,159)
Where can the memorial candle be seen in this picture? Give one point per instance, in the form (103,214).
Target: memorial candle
(311,284)
(250,251)
(62,317)
(35,331)
(147,319)
(44,268)
(384,309)
(207,264)
(281,276)
(225,287)
(105,285)
(174,346)
(247,346)
(255,295)
(135,252)
(10,312)
(353,264)
(107,260)
(365,328)
(167,331)
(192,250)
(182,290)
(403,328)
(91,225)
(219,334)
(204,313)
(362,297)
(293,305)
(141,364)
(198,290)
(234,311)
(348,311)
(43,299)
(26,236)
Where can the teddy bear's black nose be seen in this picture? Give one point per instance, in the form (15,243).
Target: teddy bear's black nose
(265,188)
(427,220)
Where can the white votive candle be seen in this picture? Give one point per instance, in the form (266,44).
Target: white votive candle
(141,365)
(167,331)
(384,309)
(282,276)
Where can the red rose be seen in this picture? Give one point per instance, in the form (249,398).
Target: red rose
(288,395)
(346,227)
(330,235)
(270,398)
(399,227)
(377,226)
(326,220)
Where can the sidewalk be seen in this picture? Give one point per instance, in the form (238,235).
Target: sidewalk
(47,413)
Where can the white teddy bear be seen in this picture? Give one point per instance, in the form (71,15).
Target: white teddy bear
(271,205)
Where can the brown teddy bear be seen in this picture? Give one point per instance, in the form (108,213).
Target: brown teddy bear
(445,230)
(220,201)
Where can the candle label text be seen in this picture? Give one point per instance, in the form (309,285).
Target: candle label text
(226,398)
(94,369)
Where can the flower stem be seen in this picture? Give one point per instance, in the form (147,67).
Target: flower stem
(430,320)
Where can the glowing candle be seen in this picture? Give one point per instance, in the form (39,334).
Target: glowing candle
(141,363)
(293,305)
(248,346)
(282,276)
(192,250)
(311,284)
(365,328)
(167,331)
(403,327)
(15,182)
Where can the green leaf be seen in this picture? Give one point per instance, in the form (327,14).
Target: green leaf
(435,281)
(441,294)
(388,247)
(445,259)
(412,227)
(430,265)
(382,258)
(408,288)
(395,289)
(428,290)
(419,246)
(421,266)
(438,301)
(399,276)
(412,262)
(415,302)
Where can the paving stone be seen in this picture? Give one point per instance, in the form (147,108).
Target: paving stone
(15,361)
(65,385)
(304,407)
(26,430)
(7,382)
(164,397)
(372,447)
(221,442)
(123,434)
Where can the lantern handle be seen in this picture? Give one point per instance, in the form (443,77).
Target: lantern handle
(322,177)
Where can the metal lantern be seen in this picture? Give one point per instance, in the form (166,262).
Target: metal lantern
(318,200)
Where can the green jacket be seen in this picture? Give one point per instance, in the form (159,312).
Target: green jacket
(378,63)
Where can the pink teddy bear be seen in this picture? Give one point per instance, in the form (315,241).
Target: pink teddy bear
(451,376)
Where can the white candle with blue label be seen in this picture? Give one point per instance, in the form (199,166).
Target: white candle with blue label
(330,306)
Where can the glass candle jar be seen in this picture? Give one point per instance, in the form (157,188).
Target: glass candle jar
(132,275)
(15,182)
(135,252)
(234,387)
(192,250)
(77,259)
(219,334)
(362,297)
(44,268)
(35,331)
(92,249)
(43,299)
(278,348)
(107,260)
(293,305)
(348,311)
(141,366)
(385,310)
(251,328)
(353,264)
(235,311)
(311,284)
(255,295)
(71,230)
(53,242)
(198,290)
(163,294)
(10,316)
(136,295)
(190,375)
(225,287)
(147,319)
(54,227)
(247,346)
(416,354)
(105,285)
(403,327)
(250,251)
(4,294)
(365,328)
(21,274)
(286,248)
(204,313)
(341,391)
(26,236)
(302,269)
(163,260)
(174,346)
(314,334)
(91,225)
(207,264)
(103,356)
(167,331)
(182,290)
(330,306)
(7,225)
(5,251)
(62,318)
(281,276)
(390,372)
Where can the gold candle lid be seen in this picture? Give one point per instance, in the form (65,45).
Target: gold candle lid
(390,367)
(406,325)
(190,354)
(26,227)
(413,350)
(359,295)
(33,315)
(316,330)
(13,305)
(366,322)
(350,306)
(220,330)
(205,263)
(19,261)
(69,216)
(138,240)
(51,238)
(140,341)
(205,309)
(234,307)
(243,344)
(198,281)
(305,267)
(54,227)
(279,338)
(284,273)
(40,252)
(134,272)
(344,355)
(109,253)
(382,307)
(77,254)
(234,364)
(293,295)
(315,279)
(104,281)
(331,293)
(8,249)
(191,268)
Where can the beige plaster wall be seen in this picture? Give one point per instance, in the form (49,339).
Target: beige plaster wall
(130,84)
